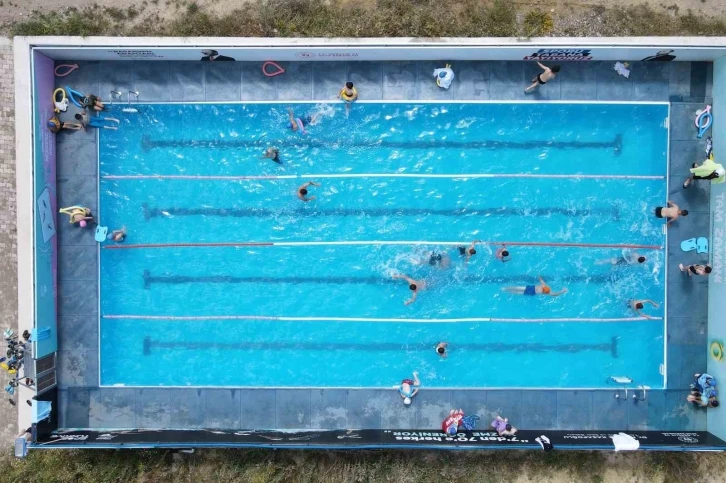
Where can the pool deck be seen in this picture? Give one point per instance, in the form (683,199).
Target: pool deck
(85,405)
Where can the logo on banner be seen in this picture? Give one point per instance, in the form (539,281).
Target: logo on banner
(560,54)
(326,55)
(687,439)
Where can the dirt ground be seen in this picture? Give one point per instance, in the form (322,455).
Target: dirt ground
(19,10)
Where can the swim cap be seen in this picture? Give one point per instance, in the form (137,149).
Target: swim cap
(412,286)
(407,401)
(546,289)
(451,430)
(83,223)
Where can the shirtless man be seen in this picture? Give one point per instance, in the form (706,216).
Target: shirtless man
(696,269)
(629,259)
(541,79)
(672,212)
(542,289)
(414,285)
(468,251)
(299,123)
(502,254)
(302,191)
(637,306)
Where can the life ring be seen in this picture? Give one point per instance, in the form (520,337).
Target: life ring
(348,98)
(717,350)
(62,104)
(70,67)
(72,95)
(704,119)
(279,70)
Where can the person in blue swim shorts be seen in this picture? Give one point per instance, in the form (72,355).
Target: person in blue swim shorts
(541,289)
(297,124)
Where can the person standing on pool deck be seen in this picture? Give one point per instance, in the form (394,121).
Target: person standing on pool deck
(409,388)
(297,124)
(542,289)
(468,251)
(672,212)
(413,285)
(302,191)
(541,79)
(637,306)
(695,269)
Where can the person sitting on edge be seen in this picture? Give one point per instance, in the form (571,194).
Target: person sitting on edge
(695,269)
(503,427)
(93,102)
(541,79)
(118,235)
(414,286)
(629,259)
(297,124)
(349,95)
(637,306)
(409,388)
(441,349)
(97,122)
(671,213)
(503,254)
(78,214)
(702,400)
(542,289)
(469,251)
(273,154)
(55,125)
(302,191)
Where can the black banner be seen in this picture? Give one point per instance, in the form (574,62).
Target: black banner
(367,438)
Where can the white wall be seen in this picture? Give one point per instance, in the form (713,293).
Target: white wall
(261,49)
(717,284)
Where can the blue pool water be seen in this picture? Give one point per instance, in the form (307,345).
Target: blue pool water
(185,316)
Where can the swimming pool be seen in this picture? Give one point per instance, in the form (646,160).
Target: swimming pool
(227,279)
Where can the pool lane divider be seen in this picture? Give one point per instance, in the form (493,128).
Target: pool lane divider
(150,279)
(150,344)
(470,320)
(149,213)
(147,143)
(376,175)
(377,243)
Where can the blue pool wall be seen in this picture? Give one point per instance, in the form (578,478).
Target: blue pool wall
(717,285)
(83,404)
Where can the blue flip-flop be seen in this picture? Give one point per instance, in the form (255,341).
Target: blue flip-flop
(689,245)
(101,232)
(702,245)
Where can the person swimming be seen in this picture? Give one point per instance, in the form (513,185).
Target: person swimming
(637,306)
(502,254)
(273,154)
(469,251)
(302,191)
(441,349)
(414,286)
(629,259)
(542,289)
(297,124)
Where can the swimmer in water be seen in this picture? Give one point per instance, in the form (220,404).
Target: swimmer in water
(542,289)
(439,260)
(672,212)
(414,285)
(302,191)
(637,306)
(630,259)
(118,235)
(441,349)
(273,154)
(469,251)
(299,123)
(503,254)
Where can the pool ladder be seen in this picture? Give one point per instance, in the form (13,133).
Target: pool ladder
(624,382)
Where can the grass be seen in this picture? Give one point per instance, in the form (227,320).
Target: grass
(360,466)
(387,18)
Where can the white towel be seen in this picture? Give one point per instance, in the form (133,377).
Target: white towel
(625,442)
